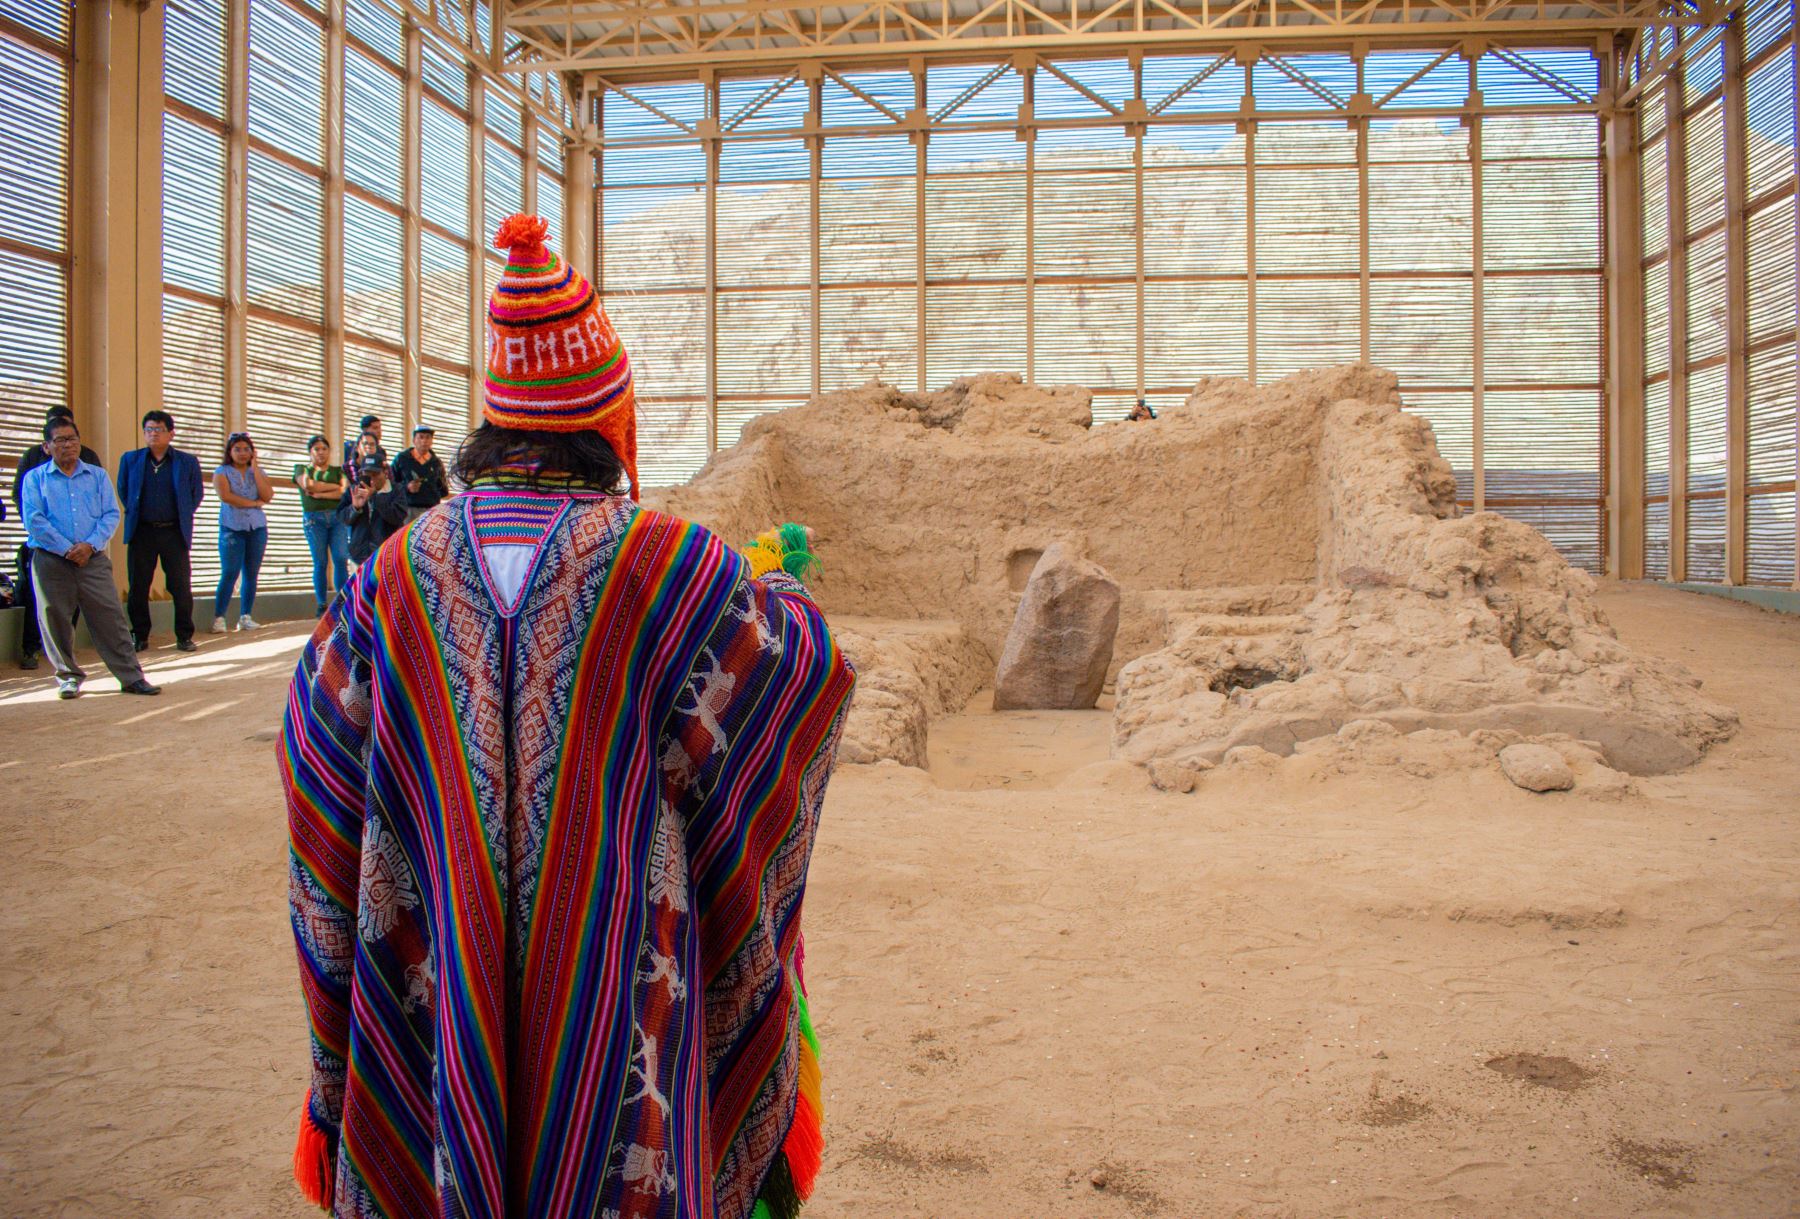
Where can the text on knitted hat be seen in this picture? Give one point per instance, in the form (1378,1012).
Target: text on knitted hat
(572,346)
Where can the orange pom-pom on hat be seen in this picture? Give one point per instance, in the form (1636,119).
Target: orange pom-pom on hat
(555,363)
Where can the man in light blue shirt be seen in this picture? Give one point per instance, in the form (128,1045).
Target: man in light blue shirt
(70,513)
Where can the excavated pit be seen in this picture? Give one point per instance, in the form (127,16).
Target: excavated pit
(1291,561)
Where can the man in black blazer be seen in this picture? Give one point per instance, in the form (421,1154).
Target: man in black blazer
(159,489)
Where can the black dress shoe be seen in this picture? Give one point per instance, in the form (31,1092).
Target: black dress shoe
(28,661)
(185,645)
(140,646)
(140,686)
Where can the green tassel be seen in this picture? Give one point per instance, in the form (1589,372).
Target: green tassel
(797,558)
(793,537)
(806,1024)
(778,1198)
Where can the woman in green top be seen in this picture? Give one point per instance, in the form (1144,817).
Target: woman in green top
(321,487)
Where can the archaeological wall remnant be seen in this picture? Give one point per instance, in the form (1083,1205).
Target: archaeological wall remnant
(1290,559)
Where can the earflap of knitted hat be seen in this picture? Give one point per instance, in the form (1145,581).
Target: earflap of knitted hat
(555,363)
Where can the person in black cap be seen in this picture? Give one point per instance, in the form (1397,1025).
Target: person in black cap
(420,474)
(370,426)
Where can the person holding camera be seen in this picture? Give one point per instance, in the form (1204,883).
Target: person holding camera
(373,509)
(353,447)
(420,474)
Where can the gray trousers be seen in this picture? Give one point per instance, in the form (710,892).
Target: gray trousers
(61,587)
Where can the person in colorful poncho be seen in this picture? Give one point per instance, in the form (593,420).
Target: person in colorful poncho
(553,766)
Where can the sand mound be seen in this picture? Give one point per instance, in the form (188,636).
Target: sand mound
(1291,561)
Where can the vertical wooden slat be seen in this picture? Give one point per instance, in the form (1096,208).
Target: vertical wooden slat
(1737,314)
(411,279)
(1675,162)
(1625,334)
(332,424)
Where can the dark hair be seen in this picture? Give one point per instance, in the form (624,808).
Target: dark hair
(233,439)
(58,412)
(162,417)
(58,422)
(312,440)
(367,420)
(583,456)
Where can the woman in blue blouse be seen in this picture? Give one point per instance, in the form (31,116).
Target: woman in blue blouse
(242,489)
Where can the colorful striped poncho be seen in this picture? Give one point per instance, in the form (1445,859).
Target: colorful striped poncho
(546,873)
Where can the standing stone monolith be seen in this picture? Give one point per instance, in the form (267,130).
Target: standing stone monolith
(1061,639)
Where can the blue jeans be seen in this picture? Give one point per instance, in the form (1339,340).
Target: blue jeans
(240,553)
(327,537)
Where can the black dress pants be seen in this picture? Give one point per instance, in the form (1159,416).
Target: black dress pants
(149,545)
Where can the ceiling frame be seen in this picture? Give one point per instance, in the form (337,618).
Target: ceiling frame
(642,40)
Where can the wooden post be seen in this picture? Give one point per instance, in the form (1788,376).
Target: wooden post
(1675,163)
(1137,203)
(920,138)
(111,246)
(478,295)
(1478,295)
(578,208)
(1026,67)
(815,149)
(1361,122)
(1625,334)
(147,219)
(1248,127)
(712,264)
(237,168)
(528,165)
(411,277)
(90,84)
(594,105)
(333,406)
(1737,313)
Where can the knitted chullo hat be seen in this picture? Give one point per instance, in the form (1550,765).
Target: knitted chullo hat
(555,363)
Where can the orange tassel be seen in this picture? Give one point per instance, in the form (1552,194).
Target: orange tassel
(805,1147)
(521,230)
(312,1159)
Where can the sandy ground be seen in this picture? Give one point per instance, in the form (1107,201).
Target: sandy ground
(1044,988)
